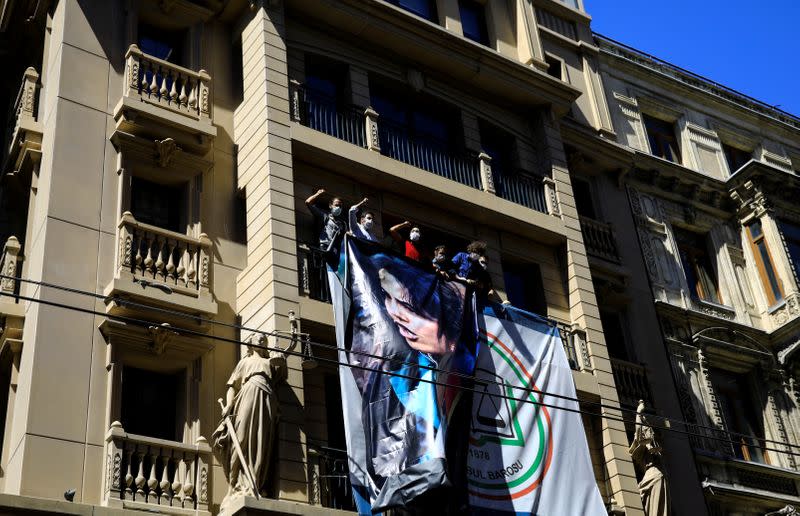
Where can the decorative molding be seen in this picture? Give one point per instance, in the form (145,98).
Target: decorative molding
(162,335)
(165,151)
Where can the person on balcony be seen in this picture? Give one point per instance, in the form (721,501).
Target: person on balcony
(441,264)
(471,267)
(362,222)
(412,246)
(333,224)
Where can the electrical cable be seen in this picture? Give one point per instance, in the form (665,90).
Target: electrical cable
(467,377)
(144,323)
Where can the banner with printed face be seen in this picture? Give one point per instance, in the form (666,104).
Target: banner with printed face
(402,329)
(526,455)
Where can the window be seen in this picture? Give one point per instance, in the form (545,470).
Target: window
(615,335)
(418,117)
(735,157)
(739,414)
(501,146)
(326,80)
(791,236)
(661,135)
(763,259)
(473,21)
(554,67)
(424,8)
(163,44)
(570,3)
(583,198)
(523,282)
(159,205)
(697,265)
(150,403)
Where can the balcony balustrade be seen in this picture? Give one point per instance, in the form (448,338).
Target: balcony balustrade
(600,239)
(155,475)
(329,478)
(166,92)
(23,132)
(631,382)
(312,273)
(10,269)
(363,127)
(164,267)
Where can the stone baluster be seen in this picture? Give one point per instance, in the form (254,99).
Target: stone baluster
(164,485)
(191,269)
(129,471)
(192,87)
(188,484)
(152,481)
(148,259)
(204,272)
(181,270)
(184,96)
(140,480)
(173,92)
(163,91)
(170,268)
(9,265)
(160,246)
(177,484)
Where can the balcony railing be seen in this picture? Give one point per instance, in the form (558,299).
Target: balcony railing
(429,154)
(329,479)
(173,94)
(600,239)
(363,127)
(521,188)
(326,115)
(312,273)
(155,475)
(176,266)
(568,341)
(631,382)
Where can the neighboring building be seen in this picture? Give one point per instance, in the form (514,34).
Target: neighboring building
(158,155)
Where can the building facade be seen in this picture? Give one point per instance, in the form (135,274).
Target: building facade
(155,167)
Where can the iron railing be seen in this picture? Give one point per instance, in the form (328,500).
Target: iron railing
(429,154)
(330,479)
(568,341)
(600,239)
(324,114)
(312,273)
(631,381)
(520,188)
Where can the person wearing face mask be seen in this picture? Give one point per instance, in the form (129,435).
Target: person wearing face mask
(471,266)
(362,226)
(412,247)
(333,224)
(441,264)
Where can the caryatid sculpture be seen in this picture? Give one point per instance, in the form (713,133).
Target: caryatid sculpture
(243,440)
(646,452)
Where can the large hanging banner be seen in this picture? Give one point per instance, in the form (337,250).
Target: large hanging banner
(398,326)
(410,339)
(526,454)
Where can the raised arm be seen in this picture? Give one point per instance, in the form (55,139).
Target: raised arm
(395,231)
(311,200)
(353,212)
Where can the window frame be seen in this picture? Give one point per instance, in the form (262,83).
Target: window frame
(660,136)
(758,257)
(728,149)
(692,254)
(735,404)
(482,19)
(790,242)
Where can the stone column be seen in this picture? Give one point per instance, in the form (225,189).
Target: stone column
(267,288)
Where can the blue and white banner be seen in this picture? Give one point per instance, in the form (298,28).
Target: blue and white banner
(412,340)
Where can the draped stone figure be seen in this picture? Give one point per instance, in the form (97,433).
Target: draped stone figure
(243,440)
(646,453)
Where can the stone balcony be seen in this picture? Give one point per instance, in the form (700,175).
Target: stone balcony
(158,94)
(631,381)
(154,475)
(23,132)
(159,267)
(600,239)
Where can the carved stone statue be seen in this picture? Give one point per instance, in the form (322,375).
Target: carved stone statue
(243,441)
(646,453)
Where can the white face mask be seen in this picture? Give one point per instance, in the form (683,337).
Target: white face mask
(414,236)
(483,264)
(474,257)
(336,211)
(368,224)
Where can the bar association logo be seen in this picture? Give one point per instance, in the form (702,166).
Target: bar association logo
(511,445)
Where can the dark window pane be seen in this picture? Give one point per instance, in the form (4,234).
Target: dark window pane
(755,229)
(773,280)
(661,135)
(554,67)
(697,265)
(583,198)
(614,334)
(473,21)
(791,234)
(326,80)
(523,282)
(423,8)
(735,157)
(163,44)
(149,403)
(500,145)
(156,204)
(740,415)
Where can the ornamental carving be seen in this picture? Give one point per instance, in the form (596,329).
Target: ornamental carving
(133,75)
(162,335)
(165,151)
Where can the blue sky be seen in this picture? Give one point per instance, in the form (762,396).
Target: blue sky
(751,47)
